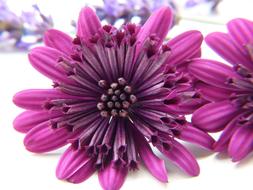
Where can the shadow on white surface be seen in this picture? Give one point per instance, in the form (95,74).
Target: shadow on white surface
(198,152)
(245,162)
(222,156)
(55,153)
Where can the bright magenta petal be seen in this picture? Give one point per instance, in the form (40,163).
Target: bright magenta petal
(241,143)
(158,23)
(223,141)
(35,99)
(43,138)
(180,156)
(58,40)
(45,60)
(184,47)
(196,136)
(155,165)
(88,23)
(241,30)
(214,117)
(212,72)
(212,93)
(29,119)
(71,161)
(83,173)
(224,46)
(112,178)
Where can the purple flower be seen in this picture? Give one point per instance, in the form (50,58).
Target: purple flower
(116,91)
(22,31)
(229,88)
(213,3)
(113,10)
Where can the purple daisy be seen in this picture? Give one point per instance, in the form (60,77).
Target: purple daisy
(229,88)
(115,92)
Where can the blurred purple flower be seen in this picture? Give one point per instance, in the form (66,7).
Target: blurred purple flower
(114,10)
(22,31)
(213,3)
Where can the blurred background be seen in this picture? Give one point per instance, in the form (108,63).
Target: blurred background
(22,23)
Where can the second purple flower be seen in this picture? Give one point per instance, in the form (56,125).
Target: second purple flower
(229,88)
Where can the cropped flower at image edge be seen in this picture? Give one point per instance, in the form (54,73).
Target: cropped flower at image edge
(229,88)
(115,92)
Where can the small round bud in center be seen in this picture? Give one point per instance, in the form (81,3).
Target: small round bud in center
(116,99)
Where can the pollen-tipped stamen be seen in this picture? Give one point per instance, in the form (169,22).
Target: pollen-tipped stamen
(116,99)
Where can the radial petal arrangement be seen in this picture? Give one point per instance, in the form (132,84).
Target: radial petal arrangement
(115,93)
(229,88)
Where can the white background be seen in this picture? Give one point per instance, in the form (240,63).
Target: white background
(20,169)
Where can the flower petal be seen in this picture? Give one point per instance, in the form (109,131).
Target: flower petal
(196,136)
(224,46)
(29,119)
(43,138)
(155,165)
(212,72)
(158,23)
(112,178)
(242,31)
(83,173)
(213,117)
(36,98)
(180,156)
(88,23)
(241,143)
(184,46)
(44,59)
(70,162)
(223,141)
(184,107)
(212,93)
(58,40)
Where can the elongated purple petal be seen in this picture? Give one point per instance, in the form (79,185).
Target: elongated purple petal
(36,98)
(43,138)
(212,72)
(184,47)
(155,165)
(196,55)
(212,93)
(58,40)
(158,23)
(112,178)
(180,156)
(241,143)
(241,30)
(222,143)
(184,108)
(224,46)
(44,59)
(29,119)
(83,173)
(183,103)
(88,23)
(213,117)
(70,162)
(196,136)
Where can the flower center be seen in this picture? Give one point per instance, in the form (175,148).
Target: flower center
(117,98)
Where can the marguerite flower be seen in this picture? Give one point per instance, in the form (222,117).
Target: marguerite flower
(230,88)
(115,92)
